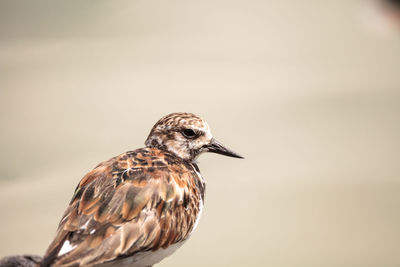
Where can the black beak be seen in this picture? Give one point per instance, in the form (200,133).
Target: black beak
(218,148)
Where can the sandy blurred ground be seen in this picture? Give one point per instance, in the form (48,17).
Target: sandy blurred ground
(304,90)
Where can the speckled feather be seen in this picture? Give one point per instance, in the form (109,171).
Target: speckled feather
(138,203)
(141,200)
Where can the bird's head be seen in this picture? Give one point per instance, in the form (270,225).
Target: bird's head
(186,136)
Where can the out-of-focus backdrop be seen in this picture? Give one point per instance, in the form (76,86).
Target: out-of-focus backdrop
(308,91)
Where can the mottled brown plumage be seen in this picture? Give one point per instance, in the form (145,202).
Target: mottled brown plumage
(138,207)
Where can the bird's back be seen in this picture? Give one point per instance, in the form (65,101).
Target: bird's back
(146,200)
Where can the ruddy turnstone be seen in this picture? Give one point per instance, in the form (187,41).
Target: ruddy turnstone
(139,207)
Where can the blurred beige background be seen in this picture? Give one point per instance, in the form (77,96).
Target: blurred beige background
(305,90)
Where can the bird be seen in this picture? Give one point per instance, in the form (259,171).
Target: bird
(137,208)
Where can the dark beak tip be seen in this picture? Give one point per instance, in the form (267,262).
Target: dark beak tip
(233,155)
(237,156)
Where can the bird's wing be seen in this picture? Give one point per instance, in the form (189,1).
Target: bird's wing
(134,202)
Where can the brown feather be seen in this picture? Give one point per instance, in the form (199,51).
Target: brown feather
(127,205)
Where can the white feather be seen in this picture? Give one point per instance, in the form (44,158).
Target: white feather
(67,247)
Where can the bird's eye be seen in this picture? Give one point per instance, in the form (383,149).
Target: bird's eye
(189,133)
